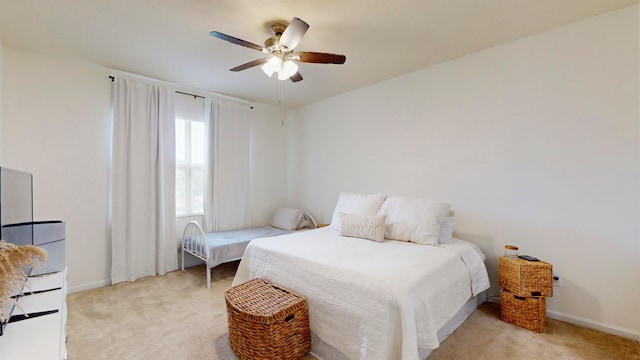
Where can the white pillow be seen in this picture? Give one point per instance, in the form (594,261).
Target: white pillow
(414,219)
(304,223)
(369,227)
(446,229)
(356,204)
(287,218)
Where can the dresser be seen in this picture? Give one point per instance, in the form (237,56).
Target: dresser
(42,335)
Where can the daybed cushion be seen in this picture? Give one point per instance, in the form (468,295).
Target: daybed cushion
(414,219)
(287,219)
(355,204)
(366,227)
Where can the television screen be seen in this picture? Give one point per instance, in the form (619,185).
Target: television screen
(16,206)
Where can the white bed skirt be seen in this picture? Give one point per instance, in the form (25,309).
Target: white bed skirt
(324,351)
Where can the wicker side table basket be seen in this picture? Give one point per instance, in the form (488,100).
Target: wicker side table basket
(527,312)
(526,278)
(267,322)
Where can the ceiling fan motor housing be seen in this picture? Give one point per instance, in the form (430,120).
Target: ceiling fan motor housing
(272,43)
(277,28)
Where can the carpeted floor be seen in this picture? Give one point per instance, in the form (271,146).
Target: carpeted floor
(484,336)
(176,317)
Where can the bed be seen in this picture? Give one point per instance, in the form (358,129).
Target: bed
(372,298)
(215,248)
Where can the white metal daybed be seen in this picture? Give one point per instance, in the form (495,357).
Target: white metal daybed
(216,248)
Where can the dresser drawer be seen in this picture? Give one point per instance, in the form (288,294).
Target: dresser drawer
(37,338)
(45,282)
(39,302)
(48,231)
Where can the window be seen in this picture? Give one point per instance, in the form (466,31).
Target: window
(190,155)
(189,167)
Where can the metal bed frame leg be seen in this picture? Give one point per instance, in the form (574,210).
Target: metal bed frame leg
(199,249)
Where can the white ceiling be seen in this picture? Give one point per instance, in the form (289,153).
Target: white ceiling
(169,40)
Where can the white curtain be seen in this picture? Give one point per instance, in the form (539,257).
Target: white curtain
(143,234)
(227,166)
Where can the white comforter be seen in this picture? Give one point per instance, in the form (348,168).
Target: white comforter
(370,300)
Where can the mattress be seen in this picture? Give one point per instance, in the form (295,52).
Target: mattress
(225,246)
(370,300)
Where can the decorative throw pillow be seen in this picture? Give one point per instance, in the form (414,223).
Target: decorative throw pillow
(446,229)
(287,218)
(356,204)
(414,219)
(304,223)
(369,227)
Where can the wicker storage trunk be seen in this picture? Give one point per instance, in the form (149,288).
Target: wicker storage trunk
(527,312)
(526,278)
(267,322)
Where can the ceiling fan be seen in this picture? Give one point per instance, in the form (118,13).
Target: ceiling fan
(280,49)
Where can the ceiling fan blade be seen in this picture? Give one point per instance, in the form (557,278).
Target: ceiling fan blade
(320,58)
(296,77)
(293,33)
(236,41)
(250,64)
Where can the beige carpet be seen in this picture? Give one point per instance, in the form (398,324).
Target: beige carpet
(176,317)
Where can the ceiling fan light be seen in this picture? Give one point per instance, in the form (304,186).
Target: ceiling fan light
(290,68)
(275,63)
(266,68)
(283,75)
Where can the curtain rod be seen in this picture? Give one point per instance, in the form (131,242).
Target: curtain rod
(184,93)
(112,78)
(182,87)
(179,92)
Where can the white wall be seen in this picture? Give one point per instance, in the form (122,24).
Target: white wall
(268,162)
(57,126)
(534,142)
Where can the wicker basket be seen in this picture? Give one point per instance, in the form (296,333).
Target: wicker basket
(527,312)
(267,322)
(526,278)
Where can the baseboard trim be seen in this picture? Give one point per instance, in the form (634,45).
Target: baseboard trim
(93,285)
(607,328)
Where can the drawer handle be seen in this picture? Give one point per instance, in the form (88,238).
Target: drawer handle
(15,318)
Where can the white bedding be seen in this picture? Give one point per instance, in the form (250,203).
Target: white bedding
(370,300)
